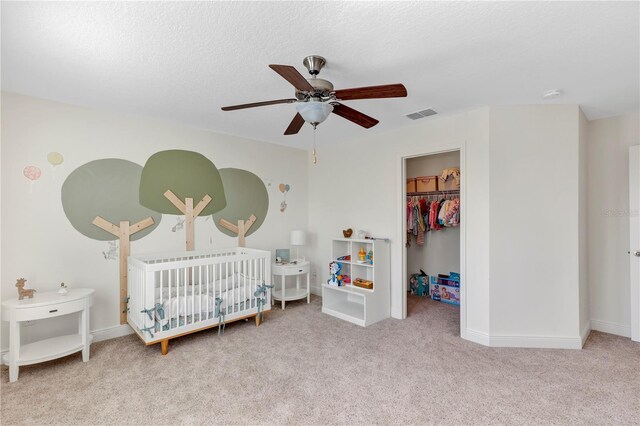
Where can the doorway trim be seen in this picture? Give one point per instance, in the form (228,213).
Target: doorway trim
(634,243)
(402,225)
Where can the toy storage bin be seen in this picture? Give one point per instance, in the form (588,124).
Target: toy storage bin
(427,183)
(411,184)
(419,285)
(452,280)
(445,293)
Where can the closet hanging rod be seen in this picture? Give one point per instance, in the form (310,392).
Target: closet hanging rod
(444,192)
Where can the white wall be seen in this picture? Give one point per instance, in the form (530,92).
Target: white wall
(522,165)
(440,253)
(534,221)
(39,243)
(608,158)
(358,184)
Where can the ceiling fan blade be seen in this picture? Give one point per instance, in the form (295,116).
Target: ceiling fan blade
(292,75)
(353,115)
(372,92)
(295,125)
(257,104)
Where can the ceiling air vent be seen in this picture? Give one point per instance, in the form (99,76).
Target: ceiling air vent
(421,114)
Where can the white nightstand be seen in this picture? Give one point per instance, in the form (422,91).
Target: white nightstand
(291,269)
(42,306)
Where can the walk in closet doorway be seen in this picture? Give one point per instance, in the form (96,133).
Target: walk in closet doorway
(433,234)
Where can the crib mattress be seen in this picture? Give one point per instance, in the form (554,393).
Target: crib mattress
(201,303)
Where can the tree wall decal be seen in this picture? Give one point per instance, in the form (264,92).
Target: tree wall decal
(172,180)
(102,193)
(247,204)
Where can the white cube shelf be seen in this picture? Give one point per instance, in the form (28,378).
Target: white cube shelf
(358,305)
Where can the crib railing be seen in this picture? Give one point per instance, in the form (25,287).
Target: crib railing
(175,293)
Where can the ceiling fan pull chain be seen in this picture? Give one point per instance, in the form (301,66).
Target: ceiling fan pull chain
(315,160)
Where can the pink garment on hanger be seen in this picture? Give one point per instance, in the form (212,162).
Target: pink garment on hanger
(451,216)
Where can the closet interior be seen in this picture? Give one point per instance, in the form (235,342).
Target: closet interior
(433,229)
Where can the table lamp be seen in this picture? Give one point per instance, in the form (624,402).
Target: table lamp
(298,238)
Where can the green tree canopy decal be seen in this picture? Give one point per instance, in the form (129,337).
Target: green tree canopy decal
(187,174)
(246,195)
(107,188)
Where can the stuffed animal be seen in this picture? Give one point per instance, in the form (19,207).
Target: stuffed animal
(334,270)
(24,292)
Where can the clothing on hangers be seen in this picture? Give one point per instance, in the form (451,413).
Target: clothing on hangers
(431,212)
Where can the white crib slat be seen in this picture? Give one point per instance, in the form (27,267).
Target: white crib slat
(226,283)
(207,275)
(184,285)
(255,283)
(170,279)
(261,278)
(191,272)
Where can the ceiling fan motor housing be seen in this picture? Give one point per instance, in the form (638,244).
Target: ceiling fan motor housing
(322,89)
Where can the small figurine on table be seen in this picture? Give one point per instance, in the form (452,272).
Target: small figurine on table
(63,289)
(24,292)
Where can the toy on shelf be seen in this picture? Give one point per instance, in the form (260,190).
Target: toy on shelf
(362,234)
(363,283)
(346,258)
(346,279)
(24,292)
(362,254)
(334,269)
(369,258)
(347,232)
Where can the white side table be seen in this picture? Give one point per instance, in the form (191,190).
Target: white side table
(290,269)
(40,307)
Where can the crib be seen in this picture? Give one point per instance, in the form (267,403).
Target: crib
(173,294)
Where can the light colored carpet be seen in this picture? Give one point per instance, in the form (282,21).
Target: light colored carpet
(303,367)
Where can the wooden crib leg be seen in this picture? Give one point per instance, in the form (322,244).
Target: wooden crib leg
(164,346)
(257,320)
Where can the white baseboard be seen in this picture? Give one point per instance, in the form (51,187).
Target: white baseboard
(477,337)
(543,342)
(611,328)
(586,330)
(111,332)
(316,289)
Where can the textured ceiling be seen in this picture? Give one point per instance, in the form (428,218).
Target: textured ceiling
(182,61)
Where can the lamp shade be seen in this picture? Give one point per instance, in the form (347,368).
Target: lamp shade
(314,111)
(298,238)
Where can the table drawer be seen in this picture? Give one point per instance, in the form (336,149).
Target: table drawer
(295,270)
(50,311)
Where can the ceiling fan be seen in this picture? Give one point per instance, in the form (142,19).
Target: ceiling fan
(316,98)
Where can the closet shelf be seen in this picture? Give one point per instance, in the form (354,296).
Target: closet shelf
(348,262)
(444,192)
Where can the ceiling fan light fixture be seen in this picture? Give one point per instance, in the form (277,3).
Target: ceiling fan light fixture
(314,112)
